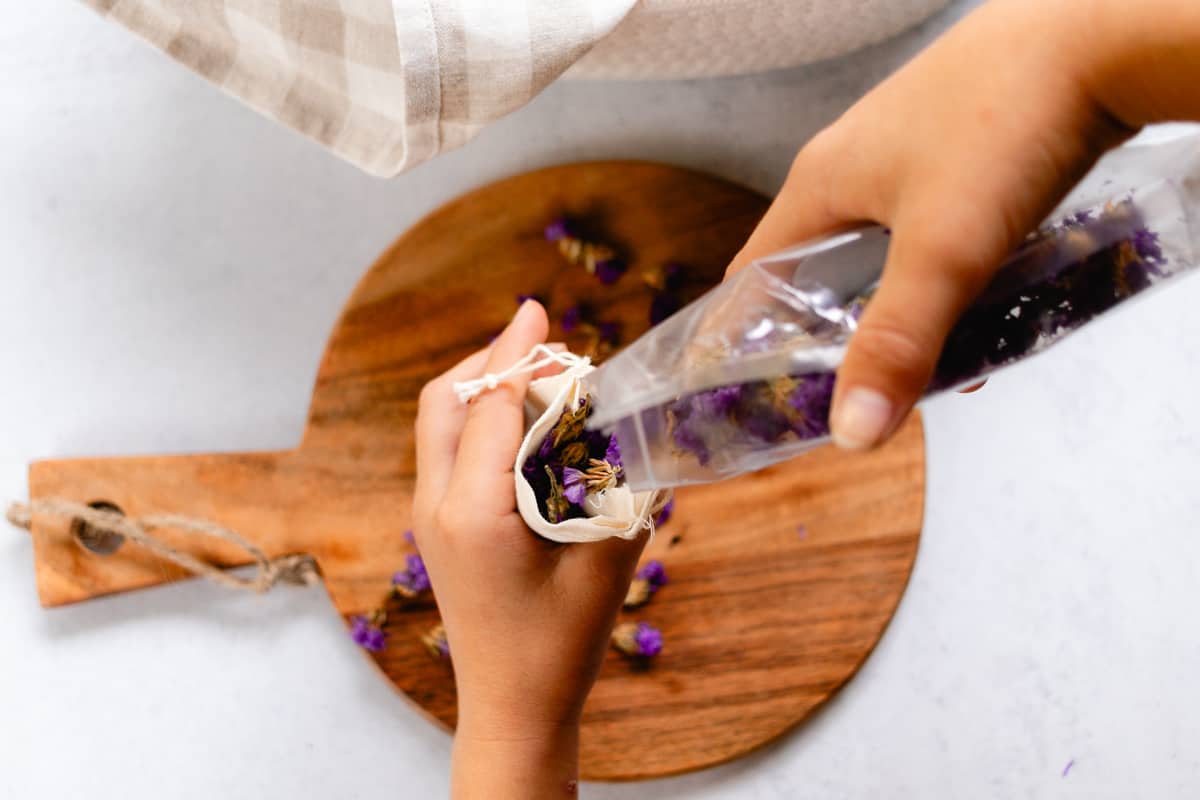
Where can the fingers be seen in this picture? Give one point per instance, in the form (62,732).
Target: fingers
(440,419)
(927,284)
(495,421)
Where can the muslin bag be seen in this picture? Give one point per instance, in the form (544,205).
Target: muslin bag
(615,512)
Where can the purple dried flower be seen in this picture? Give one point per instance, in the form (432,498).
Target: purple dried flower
(367,631)
(436,643)
(1067,768)
(638,640)
(654,573)
(609,332)
(408,537)
(413,580)
(612,452)
(524,298)
(649,640)
(1146,243)
(811,400)
(687,436)
(664,513)
(571,318)
(558,229)
(1078,219)
(718,402)
(574,485)
(610,270)
(663,305)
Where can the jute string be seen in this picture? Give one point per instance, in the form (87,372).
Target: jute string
(298,570)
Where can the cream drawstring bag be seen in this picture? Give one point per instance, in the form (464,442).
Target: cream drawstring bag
(614,512)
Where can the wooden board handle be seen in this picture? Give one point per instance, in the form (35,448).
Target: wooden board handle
(251,493)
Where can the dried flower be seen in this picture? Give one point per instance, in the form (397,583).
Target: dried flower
(524,298)
(571,318)
(664,513)
(601,475)
(408,537)
(598,259)
(663,305)
(655,573)
(638,594)
(367,630)
(638,640)
(612,451)
(436,643)
(648,580)
(558,229)
(667,278)
(574,485)
(572,462)
(413,580)
(608,271)
(557,504)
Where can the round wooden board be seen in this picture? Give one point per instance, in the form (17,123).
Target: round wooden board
(781,582)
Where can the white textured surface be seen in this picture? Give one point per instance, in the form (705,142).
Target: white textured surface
(172,266)
(695,38)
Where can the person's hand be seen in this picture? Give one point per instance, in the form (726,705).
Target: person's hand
(528,621)
(962,153)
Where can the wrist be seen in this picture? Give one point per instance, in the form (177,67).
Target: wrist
(499,761)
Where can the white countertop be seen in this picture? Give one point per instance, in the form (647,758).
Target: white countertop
(172,266)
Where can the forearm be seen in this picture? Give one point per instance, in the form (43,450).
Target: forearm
(1144,59)
(487,766)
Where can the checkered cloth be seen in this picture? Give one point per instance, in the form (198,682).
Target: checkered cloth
(385,84)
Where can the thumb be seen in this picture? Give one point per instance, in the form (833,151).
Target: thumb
(927,283)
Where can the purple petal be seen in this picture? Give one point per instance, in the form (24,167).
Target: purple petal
(663,305)
(571,318)
(610,270)
(654,573)
(609,332)
(612,454)
(574,485)
(558,229)
(674,274)
(414,578)
(718,402)
(649,640)
(365,635)
(1146,243)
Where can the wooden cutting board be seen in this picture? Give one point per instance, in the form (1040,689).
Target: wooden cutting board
(781,583)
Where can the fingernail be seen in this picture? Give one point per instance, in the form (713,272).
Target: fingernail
(860,419)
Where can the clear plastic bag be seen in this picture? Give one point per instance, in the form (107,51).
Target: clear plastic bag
(743,377)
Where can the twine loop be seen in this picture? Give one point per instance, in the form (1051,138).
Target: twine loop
(296,569)
(538,357)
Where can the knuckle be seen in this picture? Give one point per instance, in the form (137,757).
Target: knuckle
(428,395)
(452,520)
(896,351)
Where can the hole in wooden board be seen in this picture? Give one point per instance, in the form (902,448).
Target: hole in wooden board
(97,540)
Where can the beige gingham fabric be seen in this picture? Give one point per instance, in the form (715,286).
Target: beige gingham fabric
(385,84)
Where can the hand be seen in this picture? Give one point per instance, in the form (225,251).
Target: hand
(528,621)
(962,153)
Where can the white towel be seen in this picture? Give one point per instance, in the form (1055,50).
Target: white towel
(387,84)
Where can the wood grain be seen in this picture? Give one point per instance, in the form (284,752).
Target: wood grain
(763,621)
